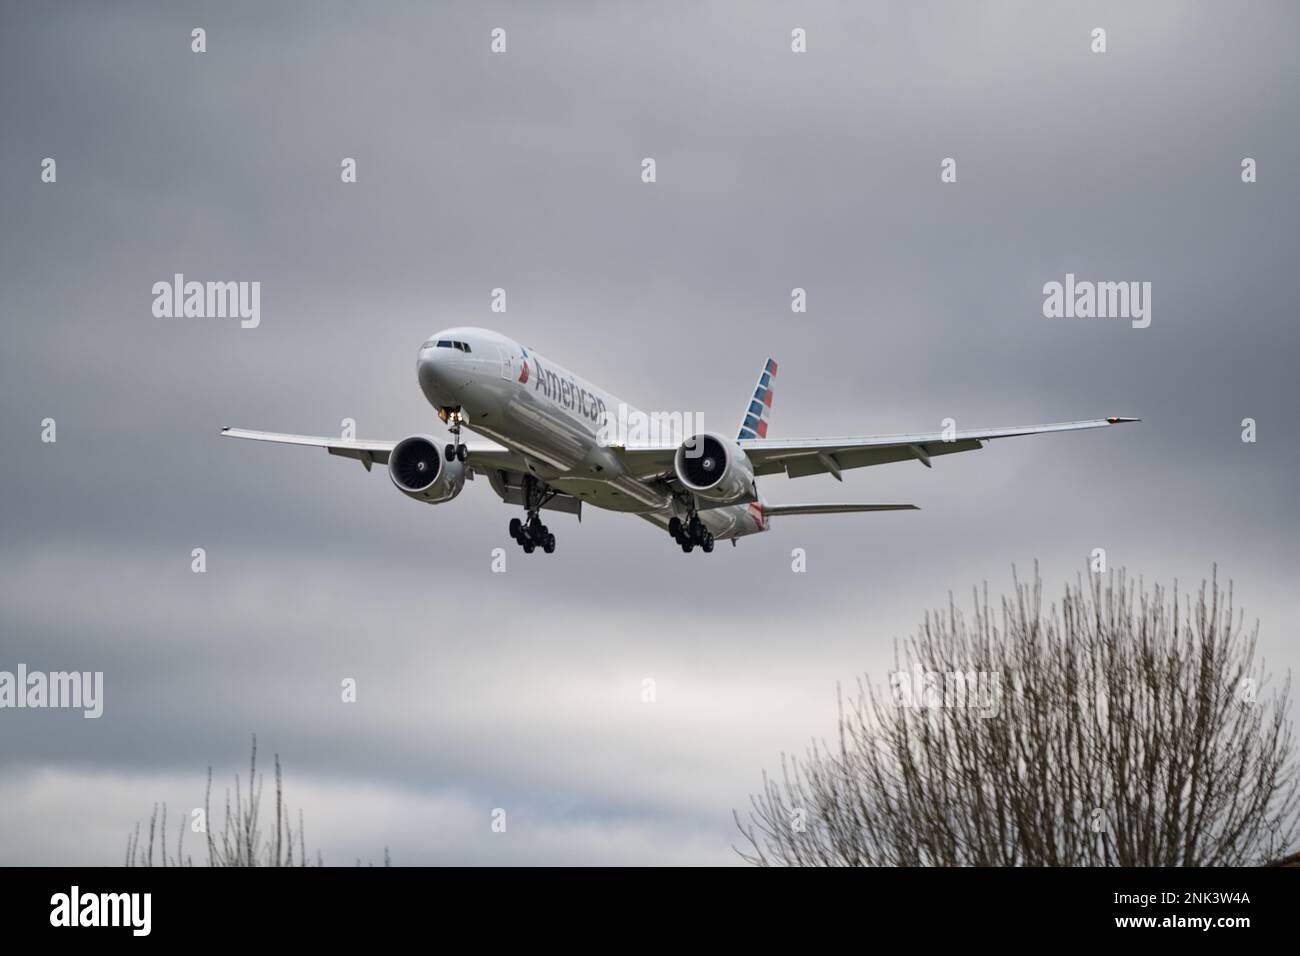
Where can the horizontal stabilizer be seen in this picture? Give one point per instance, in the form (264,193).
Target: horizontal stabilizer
(830,509)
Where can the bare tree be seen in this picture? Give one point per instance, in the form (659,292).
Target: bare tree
(240,842)
(1125,728)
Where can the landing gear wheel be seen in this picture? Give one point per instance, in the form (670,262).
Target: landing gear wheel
(675,527)
(529,547)
(453,417)
(516,528)
(687,547)
(549,544)
(707,543)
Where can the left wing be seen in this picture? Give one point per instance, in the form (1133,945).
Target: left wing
(481,457)
(811,456)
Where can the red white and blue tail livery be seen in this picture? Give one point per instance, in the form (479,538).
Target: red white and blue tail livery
(759,413)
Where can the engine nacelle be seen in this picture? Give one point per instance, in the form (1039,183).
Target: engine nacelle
(715,469)
(419,468)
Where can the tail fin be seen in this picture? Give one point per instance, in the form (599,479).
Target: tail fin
(759,413)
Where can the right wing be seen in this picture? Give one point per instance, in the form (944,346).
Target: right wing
(481,457)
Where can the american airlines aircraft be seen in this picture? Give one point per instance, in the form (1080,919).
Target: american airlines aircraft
(553,450)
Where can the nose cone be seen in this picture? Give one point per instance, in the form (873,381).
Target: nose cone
(434,367)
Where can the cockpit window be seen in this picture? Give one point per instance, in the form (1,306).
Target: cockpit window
(448,344)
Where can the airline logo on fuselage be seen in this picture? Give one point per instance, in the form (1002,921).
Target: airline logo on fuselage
(565,391)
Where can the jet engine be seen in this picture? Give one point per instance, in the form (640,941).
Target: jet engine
(715,469)
(420,469)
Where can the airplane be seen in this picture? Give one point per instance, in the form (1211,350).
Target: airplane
(552,450)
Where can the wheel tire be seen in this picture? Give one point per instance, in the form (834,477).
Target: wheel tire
(529,547)
(675,527)
(549,544)
(686,547)
(708,545)
(516,528)
(449,452)
(461,453)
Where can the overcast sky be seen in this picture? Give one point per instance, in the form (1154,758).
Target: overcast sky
(521,170)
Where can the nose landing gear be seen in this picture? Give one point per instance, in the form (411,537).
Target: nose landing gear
(453,417)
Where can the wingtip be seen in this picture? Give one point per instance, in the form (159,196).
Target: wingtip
(1119,420)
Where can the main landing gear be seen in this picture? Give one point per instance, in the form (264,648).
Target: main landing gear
(531,533)
(690,532)
(453,417)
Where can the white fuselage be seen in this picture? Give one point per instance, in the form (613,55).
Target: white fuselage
(557,422)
